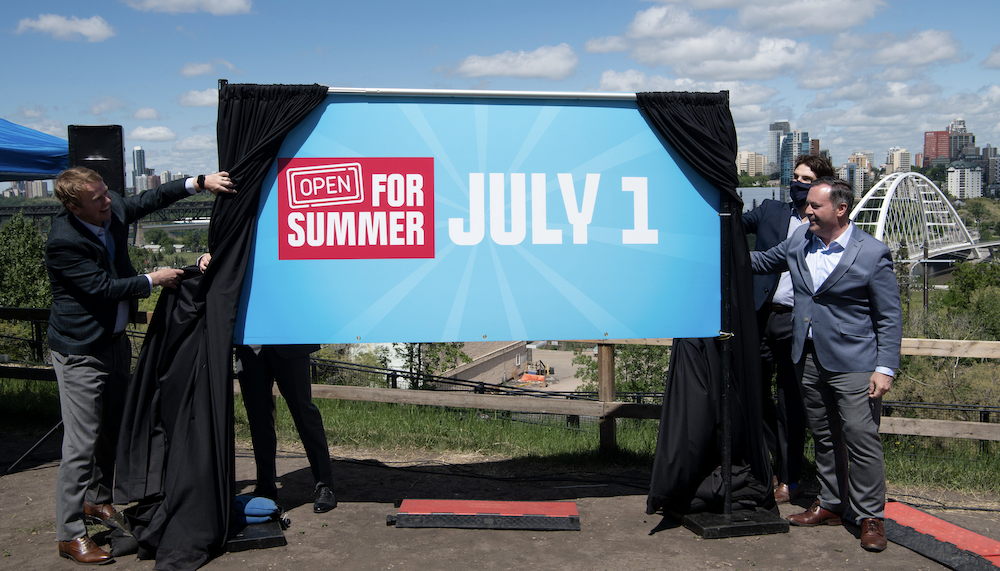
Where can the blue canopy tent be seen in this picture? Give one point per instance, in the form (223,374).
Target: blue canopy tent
(26,154)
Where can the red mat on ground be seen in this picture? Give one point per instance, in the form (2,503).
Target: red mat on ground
(483,507)
(941,530)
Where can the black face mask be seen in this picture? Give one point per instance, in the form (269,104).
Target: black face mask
(799,192)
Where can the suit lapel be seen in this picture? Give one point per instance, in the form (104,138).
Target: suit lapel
(850,254)
(800,259)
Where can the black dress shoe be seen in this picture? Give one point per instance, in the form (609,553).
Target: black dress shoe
(84,550)
(325,500)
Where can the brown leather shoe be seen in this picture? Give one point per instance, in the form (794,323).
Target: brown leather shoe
(781,494)
(98,512)
(814,516)
(873,534)
(84,550)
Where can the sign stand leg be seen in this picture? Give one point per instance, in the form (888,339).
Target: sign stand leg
(741,522)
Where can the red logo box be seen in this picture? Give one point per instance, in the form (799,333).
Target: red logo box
(356,208)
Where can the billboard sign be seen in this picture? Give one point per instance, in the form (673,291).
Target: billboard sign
(454,217)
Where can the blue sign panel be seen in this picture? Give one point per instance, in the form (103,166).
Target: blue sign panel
(442,218)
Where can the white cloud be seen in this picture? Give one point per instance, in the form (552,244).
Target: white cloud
(606,45)
(740,94)
(197,68)
(94,29)
(35,112)
(664,22)
(196,143)
(992,61)
(50,126)
(107,105)
(724,54)
(217,7)
(146,113)
(154,134)
(547,62)
(810,16)
(922,48)
(206,98)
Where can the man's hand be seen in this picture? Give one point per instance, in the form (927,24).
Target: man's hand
(203,261)
(167,277)
(879,384)
(219,182)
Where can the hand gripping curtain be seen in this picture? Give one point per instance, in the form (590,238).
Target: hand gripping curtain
(699,130)
(175,454)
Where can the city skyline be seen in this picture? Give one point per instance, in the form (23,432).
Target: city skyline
(854,74)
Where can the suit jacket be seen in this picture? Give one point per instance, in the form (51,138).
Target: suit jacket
(856,316)
(769,222)
(86,285)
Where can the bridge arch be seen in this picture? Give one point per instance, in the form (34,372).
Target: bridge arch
(904,209)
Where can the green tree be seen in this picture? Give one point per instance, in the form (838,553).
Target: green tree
(194,240)
(160,237)
(430,358)
(967,278)
(24,281)
(638,368)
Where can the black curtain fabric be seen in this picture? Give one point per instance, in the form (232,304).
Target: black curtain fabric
(699,130)
(175,455)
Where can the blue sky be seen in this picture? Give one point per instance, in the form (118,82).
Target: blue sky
(857,74)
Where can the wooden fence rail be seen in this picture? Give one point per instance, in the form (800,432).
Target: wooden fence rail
(605,408)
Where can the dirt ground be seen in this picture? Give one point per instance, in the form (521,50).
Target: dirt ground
(616,533)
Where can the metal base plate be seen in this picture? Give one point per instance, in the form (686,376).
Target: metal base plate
(257,536)
(736,524)
(477,514)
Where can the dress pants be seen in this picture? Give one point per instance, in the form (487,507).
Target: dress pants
(257,373)
(784,423)
(844,423)
(92,391)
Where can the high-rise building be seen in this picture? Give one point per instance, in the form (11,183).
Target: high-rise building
(36,189)
(958,139)
(138,167)
(814,147)
(899,161)
(750,162)
(965,180)
(775,134)
(936,148)
(793,145)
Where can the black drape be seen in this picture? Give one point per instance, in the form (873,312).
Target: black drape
(176,451)
(699,130)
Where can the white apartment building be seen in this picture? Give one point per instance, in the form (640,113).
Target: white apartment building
(965,180)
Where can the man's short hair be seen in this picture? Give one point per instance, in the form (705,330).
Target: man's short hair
(71,182)
(821,166)
(841,191)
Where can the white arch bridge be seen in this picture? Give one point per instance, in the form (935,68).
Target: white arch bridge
(905,209)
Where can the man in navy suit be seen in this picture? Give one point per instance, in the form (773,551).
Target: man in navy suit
(773,222)
(846,335)
(258,368)
(94,292)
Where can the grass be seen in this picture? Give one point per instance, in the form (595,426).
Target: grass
(968,466)
(396,426)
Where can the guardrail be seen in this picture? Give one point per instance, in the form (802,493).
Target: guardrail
(605,408)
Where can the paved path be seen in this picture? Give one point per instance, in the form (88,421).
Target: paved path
(616,532)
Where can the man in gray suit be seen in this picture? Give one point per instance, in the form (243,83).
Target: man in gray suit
(846,337)
(94,293)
